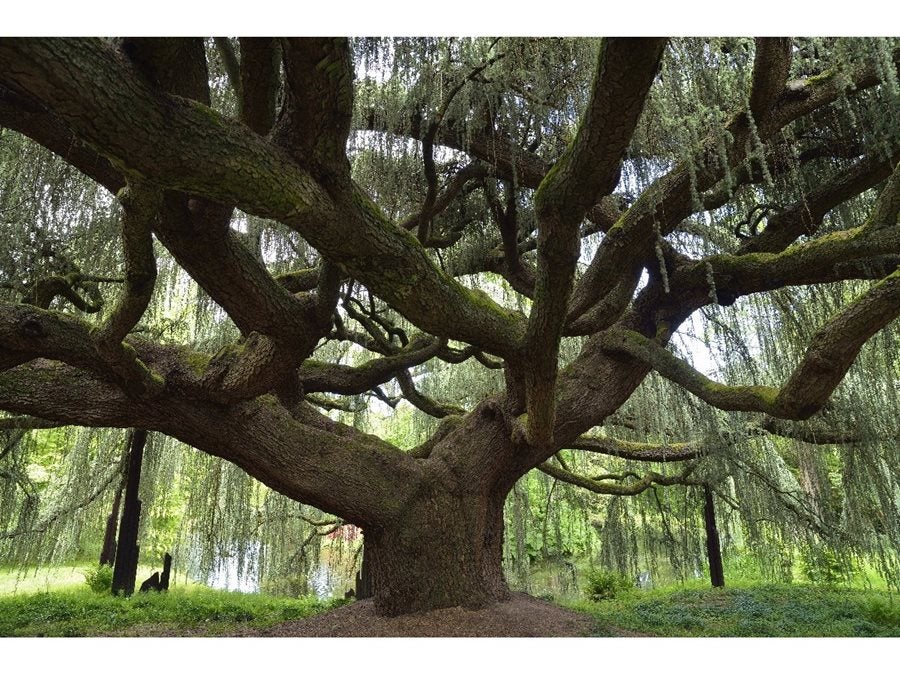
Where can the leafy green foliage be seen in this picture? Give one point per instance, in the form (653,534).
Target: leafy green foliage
(823,567)
(605,585)
(99,578)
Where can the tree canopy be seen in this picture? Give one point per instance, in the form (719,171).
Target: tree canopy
(628,263)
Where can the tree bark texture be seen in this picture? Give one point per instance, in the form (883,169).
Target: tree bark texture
(108,554)
(713,548)
(125,571)
(446,551)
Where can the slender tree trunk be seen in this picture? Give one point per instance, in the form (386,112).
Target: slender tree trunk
(166,573)
(108,554)
(125,571)
(713,548)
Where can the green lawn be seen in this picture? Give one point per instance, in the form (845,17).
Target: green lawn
(77,612)
(55,601)
(751,611)
(58,603)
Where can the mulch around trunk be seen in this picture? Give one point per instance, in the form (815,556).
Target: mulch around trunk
(521,616)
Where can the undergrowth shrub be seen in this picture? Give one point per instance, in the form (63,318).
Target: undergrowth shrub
(99,578)
(604,585)
(883,613)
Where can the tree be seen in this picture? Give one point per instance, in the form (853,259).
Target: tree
(600,193)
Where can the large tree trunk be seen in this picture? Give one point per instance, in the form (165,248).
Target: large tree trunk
(445,551)
(444,546)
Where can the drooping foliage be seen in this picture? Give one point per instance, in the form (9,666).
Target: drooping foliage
(451,138)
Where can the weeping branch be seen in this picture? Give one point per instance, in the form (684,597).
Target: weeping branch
(828,357)
(804,217)
(47,522)
(668,201)
(819,91)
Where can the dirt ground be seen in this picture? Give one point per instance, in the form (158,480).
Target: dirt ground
(521,616)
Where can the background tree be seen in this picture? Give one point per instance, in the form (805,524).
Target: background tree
(554,211)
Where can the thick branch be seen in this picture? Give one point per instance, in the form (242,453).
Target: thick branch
(174,65)
(813,434)
(834,347)
(425,403)
(33,333)
(771,68)
(587,171)
(32,120)
(315,119)
(830,354)
(287,327)
(339,379)
(589,168)
(140,206)
(311,459)
(621,487)
(859,253)
(260,60)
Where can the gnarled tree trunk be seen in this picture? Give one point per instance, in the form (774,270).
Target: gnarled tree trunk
(445,551)
(444,546)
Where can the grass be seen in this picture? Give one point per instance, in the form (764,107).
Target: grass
(769,610)
(56,602)
(46,579)
(80,613)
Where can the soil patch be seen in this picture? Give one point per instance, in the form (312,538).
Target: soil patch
(521,616)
